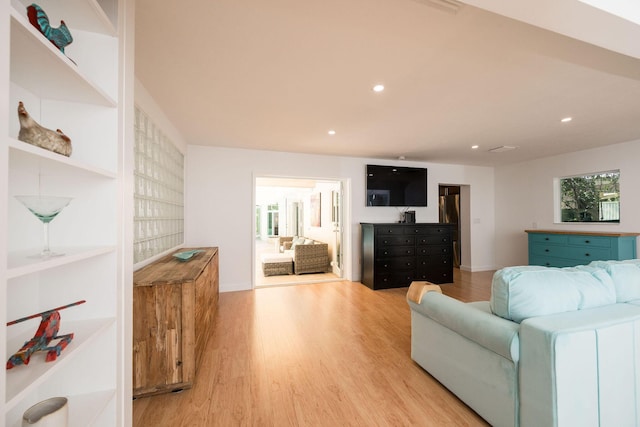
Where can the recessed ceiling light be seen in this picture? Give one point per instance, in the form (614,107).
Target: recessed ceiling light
(378,88)
(332,132)
(475,147)
(566,119)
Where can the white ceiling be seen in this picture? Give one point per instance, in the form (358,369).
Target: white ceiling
(277,75)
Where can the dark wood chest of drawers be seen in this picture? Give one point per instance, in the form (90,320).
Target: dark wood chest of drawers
(394,255)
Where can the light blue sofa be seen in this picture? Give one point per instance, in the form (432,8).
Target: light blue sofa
(553,347)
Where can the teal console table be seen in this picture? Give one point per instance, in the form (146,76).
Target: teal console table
(569,248)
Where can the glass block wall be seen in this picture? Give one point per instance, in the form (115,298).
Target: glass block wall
(159,191)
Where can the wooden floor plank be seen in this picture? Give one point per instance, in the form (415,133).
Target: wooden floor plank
(325,354)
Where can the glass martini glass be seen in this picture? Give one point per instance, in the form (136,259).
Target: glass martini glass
(45,208)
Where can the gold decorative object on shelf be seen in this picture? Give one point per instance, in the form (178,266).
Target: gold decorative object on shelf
(32,133)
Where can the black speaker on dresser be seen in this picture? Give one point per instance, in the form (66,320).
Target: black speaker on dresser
(409,217)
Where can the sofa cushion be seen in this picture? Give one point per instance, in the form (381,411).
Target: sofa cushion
(625,276)
(518,293)
(269,258)
(297,241)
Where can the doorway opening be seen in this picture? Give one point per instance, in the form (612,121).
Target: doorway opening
(288,211)
(449,213)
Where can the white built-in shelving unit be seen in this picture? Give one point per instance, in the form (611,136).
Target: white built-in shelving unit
(84,92)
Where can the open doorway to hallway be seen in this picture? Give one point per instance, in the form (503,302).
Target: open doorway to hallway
(449,213)
(454,205)
(294,212)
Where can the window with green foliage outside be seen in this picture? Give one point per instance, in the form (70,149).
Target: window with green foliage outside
(591,198)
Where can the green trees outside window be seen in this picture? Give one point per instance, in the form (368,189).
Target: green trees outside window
(591,198)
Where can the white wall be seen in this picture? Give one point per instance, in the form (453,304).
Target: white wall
(525,196)
(220,203)
(324,233)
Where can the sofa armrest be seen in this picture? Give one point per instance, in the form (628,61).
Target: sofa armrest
(310,250)
(577,368)
(311,258)
(419,289)
(491,332)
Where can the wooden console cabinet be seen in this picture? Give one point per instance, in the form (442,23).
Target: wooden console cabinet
(174,303)
(394,255)
(571,248)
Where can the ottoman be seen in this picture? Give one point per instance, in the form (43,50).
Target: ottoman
(277,264)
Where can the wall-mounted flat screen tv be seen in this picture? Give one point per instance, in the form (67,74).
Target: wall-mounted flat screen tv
(396,186)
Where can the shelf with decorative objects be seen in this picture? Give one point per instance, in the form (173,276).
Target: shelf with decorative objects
(65,140)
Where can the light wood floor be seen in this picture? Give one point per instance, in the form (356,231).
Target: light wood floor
(328,354)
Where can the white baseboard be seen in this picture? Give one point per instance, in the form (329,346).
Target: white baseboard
(234,287)
(476,268)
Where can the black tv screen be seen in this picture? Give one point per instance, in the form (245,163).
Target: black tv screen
(396,186)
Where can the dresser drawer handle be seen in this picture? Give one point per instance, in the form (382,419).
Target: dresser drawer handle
(546,250)
(587,241)
(409,252)
(546,238)
(587,254)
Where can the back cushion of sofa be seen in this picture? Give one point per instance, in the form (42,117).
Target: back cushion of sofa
(297,241)
(625,276)
(518,293)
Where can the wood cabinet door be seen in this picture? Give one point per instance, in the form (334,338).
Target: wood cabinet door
(204,297)
(158,341)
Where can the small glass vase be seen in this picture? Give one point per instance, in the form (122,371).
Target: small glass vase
(45,208)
